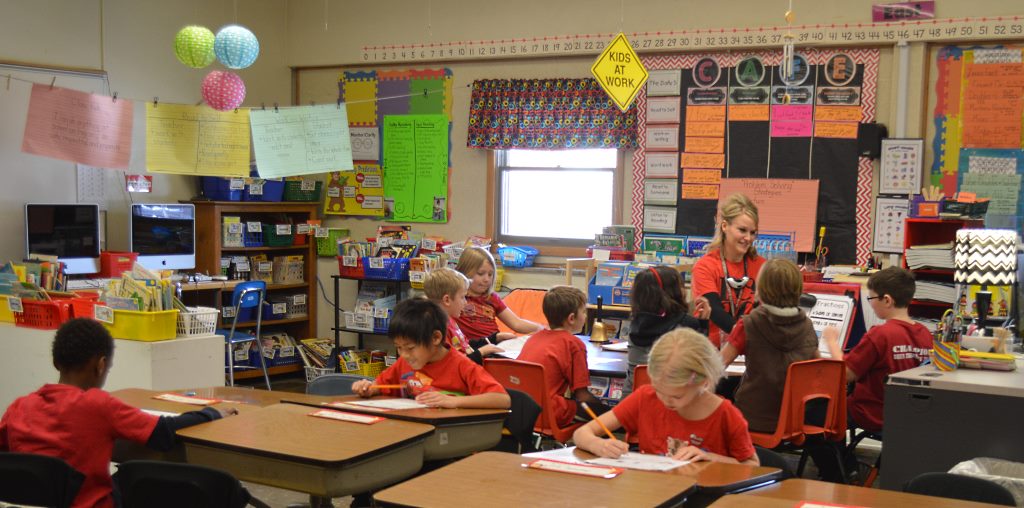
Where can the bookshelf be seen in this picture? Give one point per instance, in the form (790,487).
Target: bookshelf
(339,325)
(927,231)
(211,248)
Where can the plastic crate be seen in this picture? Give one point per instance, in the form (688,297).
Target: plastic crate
(315,372)
(329,246)
(293,191)
(252,238)
(6,316)
(517,256)
(393,269)
(271,238)
(198,321)
(144,326)
(269,314)
(113,264)
(219,189)
(45,315)
(296,309)
(352,272)
(84,305)
(271,190)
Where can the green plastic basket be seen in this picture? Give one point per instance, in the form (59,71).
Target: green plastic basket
(293,191)
(329,246)
(272,239)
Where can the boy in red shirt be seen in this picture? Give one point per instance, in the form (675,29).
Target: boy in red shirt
(75,420)
(897,345)
(429,371)
(563,355)
(447,288)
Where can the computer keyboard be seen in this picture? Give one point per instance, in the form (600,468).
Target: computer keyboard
(88,283)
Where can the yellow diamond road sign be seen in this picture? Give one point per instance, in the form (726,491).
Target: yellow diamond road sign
(620,72)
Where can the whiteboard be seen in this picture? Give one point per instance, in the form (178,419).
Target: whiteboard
(834,310)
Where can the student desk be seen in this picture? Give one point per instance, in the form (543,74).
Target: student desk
(458,433)
(281,445)
(790,493)
(497,479)
(934,419)
(602,362)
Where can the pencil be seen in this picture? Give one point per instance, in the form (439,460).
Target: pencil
(594,416)
(387,387)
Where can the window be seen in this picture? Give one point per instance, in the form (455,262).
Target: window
(556,198)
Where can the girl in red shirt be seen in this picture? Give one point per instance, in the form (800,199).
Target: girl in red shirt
(678,414)
(482,305)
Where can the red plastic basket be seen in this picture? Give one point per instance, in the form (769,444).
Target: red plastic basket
(113,264)
(47,315)
(812,276)
(84,306)
(352,272)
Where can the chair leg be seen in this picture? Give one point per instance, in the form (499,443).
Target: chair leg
(803,462)
(873,474)
(259,341)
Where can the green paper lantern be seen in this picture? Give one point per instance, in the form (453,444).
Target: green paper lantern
(194,46)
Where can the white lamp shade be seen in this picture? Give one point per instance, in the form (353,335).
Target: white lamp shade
(985,257)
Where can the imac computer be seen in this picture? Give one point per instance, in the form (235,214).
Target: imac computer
(69,231)
(164,235)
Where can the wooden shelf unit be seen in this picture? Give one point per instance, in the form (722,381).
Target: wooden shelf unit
(928,231)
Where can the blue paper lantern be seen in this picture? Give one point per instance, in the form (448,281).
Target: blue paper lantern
(236,47)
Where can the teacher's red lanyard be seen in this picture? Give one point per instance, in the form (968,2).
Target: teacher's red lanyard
(737,292)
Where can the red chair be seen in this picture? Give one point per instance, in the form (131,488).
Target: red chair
(526,303)
(640,377)
(807,380)
(529,377)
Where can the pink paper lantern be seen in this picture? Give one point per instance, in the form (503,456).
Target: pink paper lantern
(223,90)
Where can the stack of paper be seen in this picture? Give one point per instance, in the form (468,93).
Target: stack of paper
(937,291)
(930,256)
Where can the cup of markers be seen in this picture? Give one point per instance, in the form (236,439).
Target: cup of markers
(946,355)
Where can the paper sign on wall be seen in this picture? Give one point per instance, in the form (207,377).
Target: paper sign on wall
(303,140)
(365,143)
(783,205)
(79,127)
(356,192)
(416,167)
(196,140)
(660,191)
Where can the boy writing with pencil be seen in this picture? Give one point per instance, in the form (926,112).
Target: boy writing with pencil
(564,356)
(448,288)
(426,369)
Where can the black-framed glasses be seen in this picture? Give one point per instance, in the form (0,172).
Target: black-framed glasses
(875,297)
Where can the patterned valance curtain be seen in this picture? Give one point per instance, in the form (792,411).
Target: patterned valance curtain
(547,114)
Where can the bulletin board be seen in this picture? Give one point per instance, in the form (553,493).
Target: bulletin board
(370,96)
(738,118)
(977,127)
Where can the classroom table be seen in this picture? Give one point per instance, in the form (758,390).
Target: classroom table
(458,433)
(935,419)
(282,446)
(603,362)
(497,479)
(791,493)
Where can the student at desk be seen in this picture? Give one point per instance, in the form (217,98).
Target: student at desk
(427,369)
(77,421)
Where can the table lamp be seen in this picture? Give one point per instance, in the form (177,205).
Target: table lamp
(984,257)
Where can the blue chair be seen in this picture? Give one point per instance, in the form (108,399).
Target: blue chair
(38,480)
(247,295)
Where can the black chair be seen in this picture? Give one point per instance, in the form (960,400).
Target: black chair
(334,384)
(770,458)
(957,486)
(157,484)
(856,436)
(38,480)
(517,432)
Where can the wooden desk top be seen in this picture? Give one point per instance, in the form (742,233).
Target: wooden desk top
(287,431)
(496,479)
(790,492)
(432,416)
(143,399)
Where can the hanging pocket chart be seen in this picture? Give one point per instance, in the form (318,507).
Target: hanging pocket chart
(416,167)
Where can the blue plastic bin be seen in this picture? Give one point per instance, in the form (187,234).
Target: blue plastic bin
(219,189)
(517,256)
(272,191)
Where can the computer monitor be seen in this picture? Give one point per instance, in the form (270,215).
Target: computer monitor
(69,231)
(164,235)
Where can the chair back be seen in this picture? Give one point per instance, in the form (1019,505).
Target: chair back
(956,486)
(521,419)
(37,480)
(334,384)
(528,377)
(640,377)
(805,381)
(158,484)
(527,304)
(248,294)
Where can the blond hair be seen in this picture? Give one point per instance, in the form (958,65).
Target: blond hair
(780,283)
(730,208)
(472,259)
(443,282)
(683,356)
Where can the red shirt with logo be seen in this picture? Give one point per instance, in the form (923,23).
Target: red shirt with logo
(477,319)
(455,339)
(891,347)
(455,373)
(658,428)
(76,425)
(564,358)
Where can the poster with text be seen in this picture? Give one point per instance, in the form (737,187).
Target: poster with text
(416,167)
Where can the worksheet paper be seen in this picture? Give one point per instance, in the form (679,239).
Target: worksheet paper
(631,460)
(387,404)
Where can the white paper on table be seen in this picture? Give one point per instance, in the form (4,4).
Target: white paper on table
(160,413)
(618,346)
(512,347)
(739,369)
(563,454)
(597,360)
(641,461)
(388,404)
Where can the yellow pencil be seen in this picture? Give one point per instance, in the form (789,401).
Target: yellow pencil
(387,387)
(599,422)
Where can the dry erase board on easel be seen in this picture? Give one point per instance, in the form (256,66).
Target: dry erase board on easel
(832,310)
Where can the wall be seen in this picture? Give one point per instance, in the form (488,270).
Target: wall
(133,42)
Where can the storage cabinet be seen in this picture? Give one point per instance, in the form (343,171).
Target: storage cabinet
(210,249)
(929,231)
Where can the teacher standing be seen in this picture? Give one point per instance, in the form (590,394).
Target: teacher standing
(726,276)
